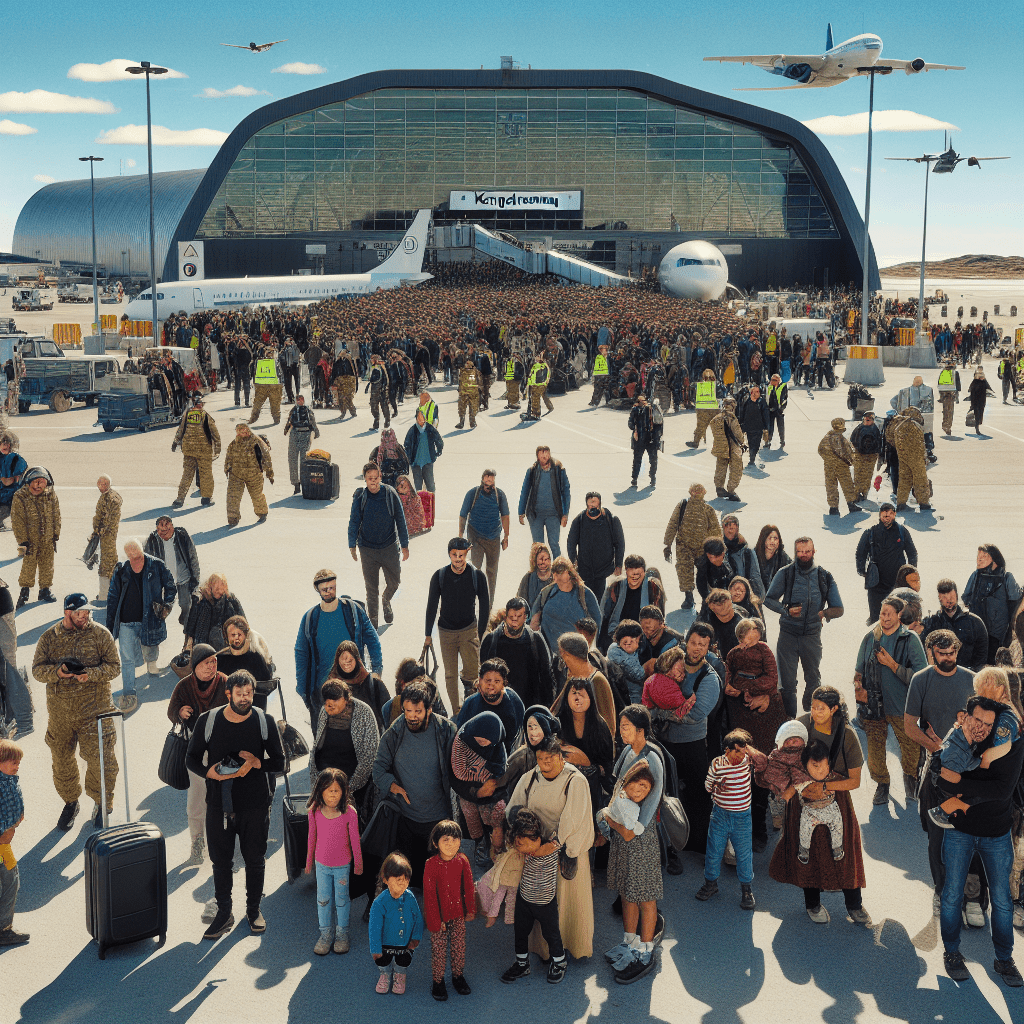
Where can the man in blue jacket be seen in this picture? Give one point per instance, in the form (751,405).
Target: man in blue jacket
(321,630)
(423,445)
(141,596)
(544,499)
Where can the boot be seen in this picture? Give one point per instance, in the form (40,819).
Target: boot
(833,511)
(688,603)
(690,444)
(207,502)
(324,943)
(104,587)
(722,492)
(881,794)
(22,598)
(298,488)
(45,594)
(910,787)
(853,507)
(198,845)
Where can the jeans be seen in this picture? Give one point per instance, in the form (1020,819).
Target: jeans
(553,524)
(10,882)
(328,879)
(423,477)
(374,561)
(958,848)
(735,825)
(133,653)
(803,648)
(251,827)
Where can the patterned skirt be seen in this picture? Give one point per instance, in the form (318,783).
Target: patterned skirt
(634,868)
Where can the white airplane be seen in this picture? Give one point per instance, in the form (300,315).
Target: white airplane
(694,270)
(255,47)
(946,162)
(835,65)
(402,267)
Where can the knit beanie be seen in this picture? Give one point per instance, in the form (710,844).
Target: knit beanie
(790,730)
(201,652)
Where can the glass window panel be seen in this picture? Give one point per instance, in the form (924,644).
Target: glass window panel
(419,101)
(357,116)
(381,101)
(480,101)
(422,116)
(632,102)
(364,102)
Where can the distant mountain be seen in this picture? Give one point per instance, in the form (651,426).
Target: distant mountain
(962,266)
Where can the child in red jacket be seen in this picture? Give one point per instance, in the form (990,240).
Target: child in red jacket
(449,901)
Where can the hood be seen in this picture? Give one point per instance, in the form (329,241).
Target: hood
(36,473)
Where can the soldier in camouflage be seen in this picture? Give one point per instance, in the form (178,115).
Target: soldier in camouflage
(727,448)
(245,463)
(910,447)
(837,454)
(691,523)
(469,394)
(104,525)
(200,445)
(35,519)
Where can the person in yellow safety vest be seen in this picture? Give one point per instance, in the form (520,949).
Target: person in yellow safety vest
(268,386)
(949,394)
(1005,372)
(706,392)
(514,374)
(429,409)
(602,375)
(540,374)
(200,445)
(777,398)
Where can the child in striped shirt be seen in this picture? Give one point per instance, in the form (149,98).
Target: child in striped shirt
(728,782)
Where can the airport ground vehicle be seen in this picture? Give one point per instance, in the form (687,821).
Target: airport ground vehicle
(29,300)
(140,400)
(58,383)
(73,293)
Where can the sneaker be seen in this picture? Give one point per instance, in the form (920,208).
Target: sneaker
(389,615)
(128,703)
(9,937)
(706,891)
(460,985)
(342,943)
(974,916)
(747,901)
(641,965)
(222,923)
(383,986)
(819,915)
(68,815)
(955,966)
(557,969)
(859,916)
(439,991)
(257,922)
(323,944)
(1006,969)
(398,985)
(939,817)
(196,857)
(515,972)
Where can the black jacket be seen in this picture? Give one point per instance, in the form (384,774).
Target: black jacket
(970,631)
(538,687)
(710,577)
(889,549)
(596,546)
(184,551)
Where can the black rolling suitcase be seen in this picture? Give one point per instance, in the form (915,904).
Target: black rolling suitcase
(296,822)
(320,480)
(125,873)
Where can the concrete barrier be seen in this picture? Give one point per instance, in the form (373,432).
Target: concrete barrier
(864,366)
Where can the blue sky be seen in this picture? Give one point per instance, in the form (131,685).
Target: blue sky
(969,211)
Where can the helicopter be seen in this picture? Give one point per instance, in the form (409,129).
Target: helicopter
(255,47)
(946,163)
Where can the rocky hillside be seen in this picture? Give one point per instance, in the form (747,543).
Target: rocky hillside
(962,266)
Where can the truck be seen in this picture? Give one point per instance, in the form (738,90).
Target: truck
(60,383)
(29,300)
(73,293)
(28,345)
(140,401)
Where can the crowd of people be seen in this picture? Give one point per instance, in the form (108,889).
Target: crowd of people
(572,722)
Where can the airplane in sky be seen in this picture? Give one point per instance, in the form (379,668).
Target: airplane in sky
(835,65)
(946,162)
(403,267)
(255,47)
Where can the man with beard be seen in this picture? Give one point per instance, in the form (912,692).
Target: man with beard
(484,518)
(239,655)
(596,545)
(238,750)
(413,763)
(494,694)
(970,631)
(805,595)
(525,652)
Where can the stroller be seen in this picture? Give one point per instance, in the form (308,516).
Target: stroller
(859,401)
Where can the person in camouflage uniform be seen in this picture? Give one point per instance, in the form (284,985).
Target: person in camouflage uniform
(705,415)
(377,385)
(200,445)
(910,447)
(344,382)
(35,519)
(73,701)
(245,463)
(469,394)
(837,454)
(104,525)
(692,521)
(300,428)
(727,448)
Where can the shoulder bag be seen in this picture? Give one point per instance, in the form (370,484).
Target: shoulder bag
(171,770)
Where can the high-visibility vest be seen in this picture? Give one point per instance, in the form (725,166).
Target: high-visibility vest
(266,372)
(510,369)
(778,394)
(770,344)
(429,412)
(535,371)
(707,397)
(601,366)
(194,417)
(947,380)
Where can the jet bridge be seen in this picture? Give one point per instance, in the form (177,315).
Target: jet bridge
(568,268)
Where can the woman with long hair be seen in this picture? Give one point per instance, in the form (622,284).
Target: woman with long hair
(977,394)
(539,574)
(348,668)
(771,554)
(212,605)
(586,739)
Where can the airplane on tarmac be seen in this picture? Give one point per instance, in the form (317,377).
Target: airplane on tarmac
(402,267)
(835,65)
(255,47)
(946,163)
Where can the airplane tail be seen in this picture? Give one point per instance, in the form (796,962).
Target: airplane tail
(828,37)
(408,256)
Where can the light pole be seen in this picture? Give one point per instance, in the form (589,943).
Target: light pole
(123,252)
(90,160)
(865,304)
(147,69)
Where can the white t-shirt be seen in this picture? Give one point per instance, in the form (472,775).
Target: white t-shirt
(171,561)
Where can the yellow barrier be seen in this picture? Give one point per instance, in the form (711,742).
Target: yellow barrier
(137,328)
(108,321)
(851,318)
(863,352)
(1018,336)
(67,334)
(905,335)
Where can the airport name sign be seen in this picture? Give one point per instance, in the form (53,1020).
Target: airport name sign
(470,199)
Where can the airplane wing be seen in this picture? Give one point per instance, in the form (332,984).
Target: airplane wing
(769,60)
(235,45)
(914,159)
(820,84)
(267,46)
(975,161)
(903,65)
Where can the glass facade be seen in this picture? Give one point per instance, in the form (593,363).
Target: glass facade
(644,165)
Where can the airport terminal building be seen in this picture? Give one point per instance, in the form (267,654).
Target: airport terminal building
(614,166)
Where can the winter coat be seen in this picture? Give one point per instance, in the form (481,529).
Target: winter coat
(992,594)
(184,551)
(206,618)
(35,519)
(365,737)
(158,588)
(596,546)
(435,443)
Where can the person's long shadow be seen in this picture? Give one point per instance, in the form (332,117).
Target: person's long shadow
(840,525)
(42,875)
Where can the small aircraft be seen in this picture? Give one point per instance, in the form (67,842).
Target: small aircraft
(255,47)
(835,65)
(945,163)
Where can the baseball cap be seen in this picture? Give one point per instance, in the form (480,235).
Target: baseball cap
(75,601)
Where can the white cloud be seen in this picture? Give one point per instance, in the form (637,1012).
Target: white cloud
(298,68)
(39,101)
(884,121)
(44,178)
(13,128)
(113,71)
(135,135)
(237,90)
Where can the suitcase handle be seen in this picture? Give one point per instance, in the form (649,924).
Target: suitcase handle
(113,713)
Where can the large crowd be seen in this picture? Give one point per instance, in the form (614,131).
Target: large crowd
(563,730)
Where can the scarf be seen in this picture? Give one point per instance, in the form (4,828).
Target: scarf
(388,448)
(487,725)
(547,721)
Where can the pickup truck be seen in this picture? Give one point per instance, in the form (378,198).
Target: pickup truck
(29,299)
(59,383)
(29,345)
